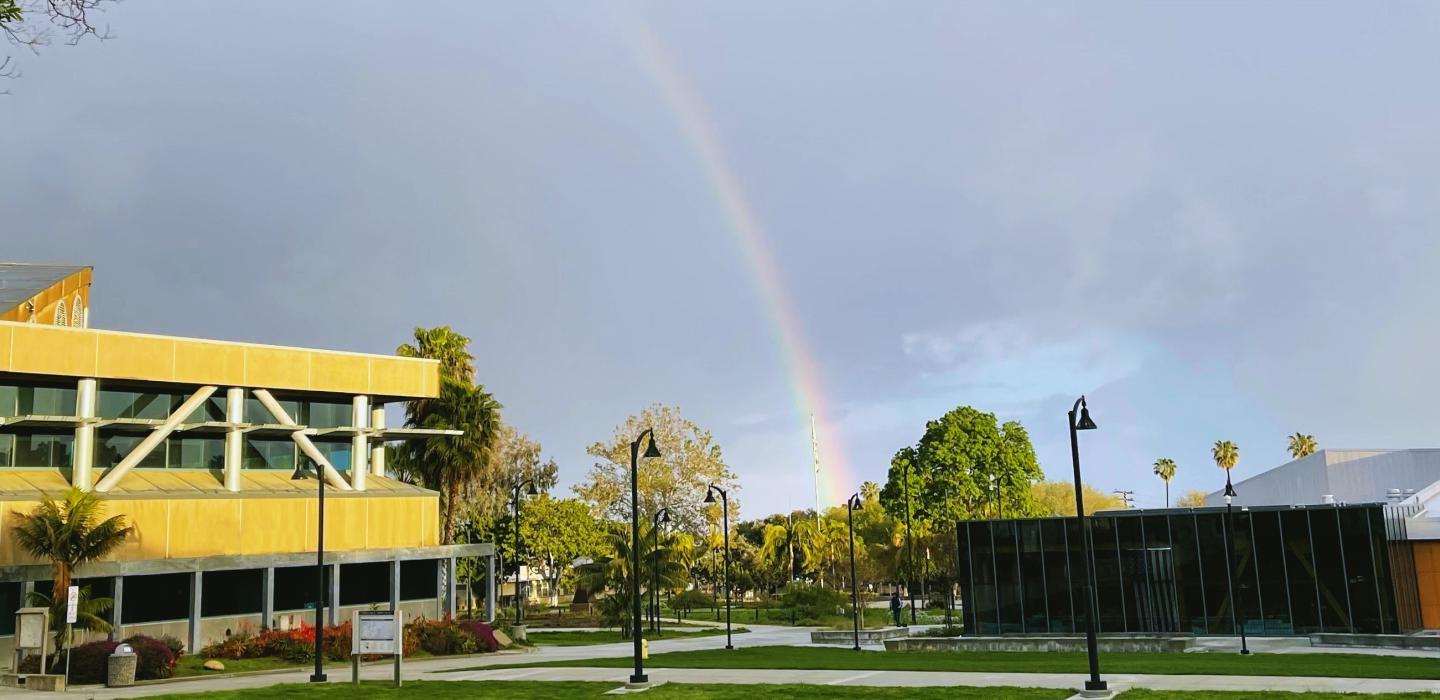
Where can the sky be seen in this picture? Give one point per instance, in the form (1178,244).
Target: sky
(1212,219)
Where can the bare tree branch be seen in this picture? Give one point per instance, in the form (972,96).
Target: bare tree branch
(31,24)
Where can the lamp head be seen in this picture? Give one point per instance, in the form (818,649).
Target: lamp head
(300,473)
(664,515)
(854,501)
(1229,490)
(530,489)
(653,450)
(1084,423)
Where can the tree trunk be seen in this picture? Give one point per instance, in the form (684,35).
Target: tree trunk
(62,582)
(451,496)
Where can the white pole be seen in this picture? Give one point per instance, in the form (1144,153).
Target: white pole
(815,452)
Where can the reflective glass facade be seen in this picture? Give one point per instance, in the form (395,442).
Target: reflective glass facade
(1289,571)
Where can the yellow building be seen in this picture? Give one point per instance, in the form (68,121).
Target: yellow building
(211,451)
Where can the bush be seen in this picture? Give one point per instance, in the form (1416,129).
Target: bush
(482,633)
(89,664)
(693,599)
(155,659)
(952,631)
(812,602)
(442,637)
(233,647)
(172,643)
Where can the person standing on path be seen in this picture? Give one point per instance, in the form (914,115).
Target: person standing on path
(895,607)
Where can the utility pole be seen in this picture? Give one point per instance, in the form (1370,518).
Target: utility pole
(815,454)
(1127,497)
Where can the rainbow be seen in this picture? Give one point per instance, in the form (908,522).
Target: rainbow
(834,479)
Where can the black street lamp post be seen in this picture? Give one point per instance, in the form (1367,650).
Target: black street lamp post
(1084,423)
(909,545)
(661,516)
(638,677)
(725,524)
(319,675)
(850,507)
(1230,563)
(529,486)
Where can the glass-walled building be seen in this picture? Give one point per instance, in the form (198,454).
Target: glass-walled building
(1295,571)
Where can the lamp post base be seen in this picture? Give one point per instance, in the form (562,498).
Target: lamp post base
(639,682)
(318,678)
(1244,652)
(1096,685)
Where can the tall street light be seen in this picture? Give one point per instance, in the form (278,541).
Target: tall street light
(529,486)
(638,677)
(661,516)
(1230,561)
(725,524)
(909,545)
(1084,423)
(850,507)
(300,471)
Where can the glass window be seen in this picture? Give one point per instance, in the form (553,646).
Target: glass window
(1381,547)
(363,584)
(1215,563)
(7,450)
(255,412)
(269,454)
(419,579)
(43,451)
(1032,577)
(967,598)
(237,592)
(46,401)
(1247,598)
(213,409)
(1330,563)
(982,569)
(1190,603)
(1057,575)
(196,453)
(1300,569)
(1360,569)
(9,603)
(110,449)
(323,414)
(9,395)
(1078,574)
(1108,582)
(338,454)
(295,587)
(1007,577)
(1130,532)
(1270,554)
(156,598)
(111,403)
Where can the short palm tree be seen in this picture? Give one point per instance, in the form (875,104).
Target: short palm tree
(1165,469)
(1302,445)
(613,573)
(1226,455)
(69,533)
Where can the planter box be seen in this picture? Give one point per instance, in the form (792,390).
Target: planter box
(870,636)
(1106,644)
(1381,641)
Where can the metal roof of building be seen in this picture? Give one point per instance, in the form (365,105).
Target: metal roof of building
(20,281)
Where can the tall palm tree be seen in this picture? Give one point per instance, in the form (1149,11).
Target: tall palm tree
(1302,445)
(444,344)
(447,463)
(69,533)
(1226,455)
(1165,469)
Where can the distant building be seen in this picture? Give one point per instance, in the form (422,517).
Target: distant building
(1338,476)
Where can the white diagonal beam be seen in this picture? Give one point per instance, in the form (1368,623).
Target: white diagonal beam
(332,476)
(156,436)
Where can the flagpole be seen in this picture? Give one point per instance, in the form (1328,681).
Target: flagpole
(815,452)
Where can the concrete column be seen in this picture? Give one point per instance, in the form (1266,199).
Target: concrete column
(195,596)
(333,610)
(490,573)
(267,598)
(82,472)
(450,589)
(377,450)
(118,609)
(234,437)
(359,444)
(395,585)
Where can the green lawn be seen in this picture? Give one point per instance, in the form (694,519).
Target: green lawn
(525,690)
(783,657)
(580,639)
(192,665)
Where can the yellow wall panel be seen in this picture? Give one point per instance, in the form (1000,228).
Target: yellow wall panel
(209,363)
(273,525)
(345,524)
(5,335)
(204,527)
(10,551)
(392,378)
(52,350)
(338,372)
(135,356)
(151,520)
(280,368)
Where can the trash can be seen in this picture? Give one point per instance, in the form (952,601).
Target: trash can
(121,669)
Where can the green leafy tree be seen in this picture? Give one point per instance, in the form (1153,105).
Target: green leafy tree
(614,575)
(1165,469)
(69,533)
(1057,498)
(1226,455)
(555,532)
(1193,498)
(1302,445)
(690,461)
